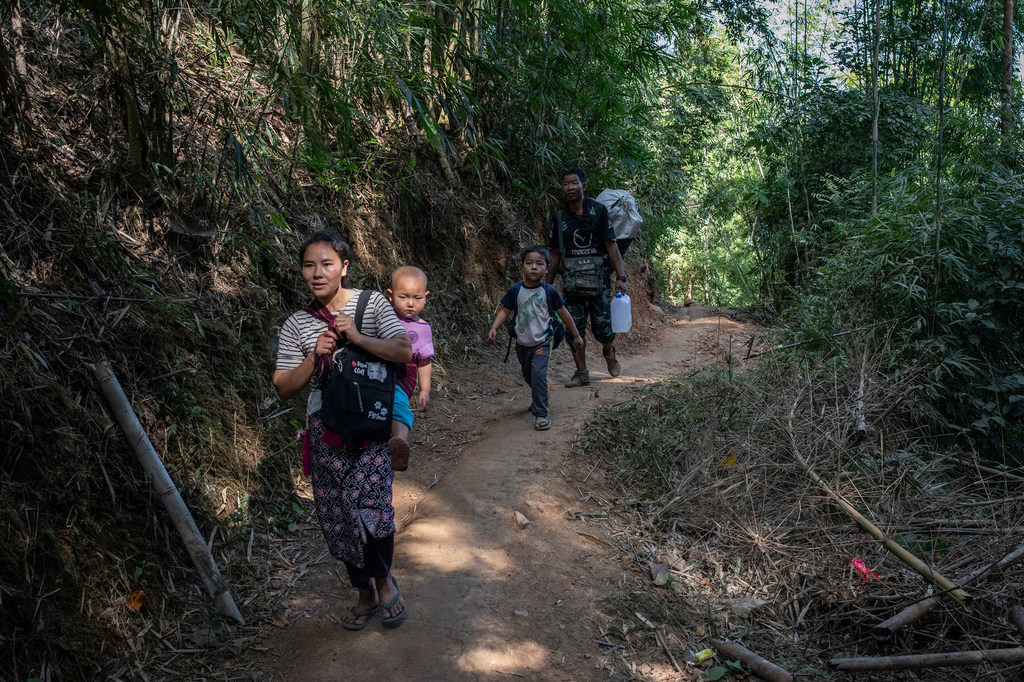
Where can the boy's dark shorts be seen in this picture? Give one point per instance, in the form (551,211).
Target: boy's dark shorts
(599,310)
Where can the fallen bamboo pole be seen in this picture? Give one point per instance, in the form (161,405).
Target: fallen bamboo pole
(988,470)
(915,612)
(752,663)
(1017,618)
(923,569)
(917,661)
(164,488)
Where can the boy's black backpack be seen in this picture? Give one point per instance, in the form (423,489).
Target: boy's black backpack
(556,324)
(359,396)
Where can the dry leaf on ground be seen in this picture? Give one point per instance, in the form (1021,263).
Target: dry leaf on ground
(135,601)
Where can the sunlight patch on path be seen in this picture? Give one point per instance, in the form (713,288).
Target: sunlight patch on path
(446,545)
(510,658)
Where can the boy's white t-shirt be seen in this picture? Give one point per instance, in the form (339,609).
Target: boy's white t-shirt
(536,309)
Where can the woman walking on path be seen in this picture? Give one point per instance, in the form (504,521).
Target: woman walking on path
(351,482)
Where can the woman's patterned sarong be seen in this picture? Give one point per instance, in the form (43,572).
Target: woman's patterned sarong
(352,492)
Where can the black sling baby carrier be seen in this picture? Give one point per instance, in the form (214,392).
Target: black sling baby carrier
(358,398)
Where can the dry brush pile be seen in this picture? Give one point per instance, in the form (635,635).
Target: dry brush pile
(734,515)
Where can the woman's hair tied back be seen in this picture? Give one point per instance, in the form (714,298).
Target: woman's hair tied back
(330,237)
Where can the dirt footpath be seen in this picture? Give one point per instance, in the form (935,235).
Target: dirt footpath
(486,598)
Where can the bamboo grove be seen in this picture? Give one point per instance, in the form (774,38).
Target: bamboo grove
(867,149)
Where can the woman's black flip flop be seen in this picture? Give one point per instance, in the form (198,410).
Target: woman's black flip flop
(395,620)
(366,614)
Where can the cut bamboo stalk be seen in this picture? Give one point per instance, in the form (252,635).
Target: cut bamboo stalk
(862,425)
(915,612)
(166,491)
(923,569)
(917,661)
(752,663)
(887,411)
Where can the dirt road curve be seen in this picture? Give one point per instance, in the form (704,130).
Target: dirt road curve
(488,600)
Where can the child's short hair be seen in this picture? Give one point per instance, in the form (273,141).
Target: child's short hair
(408,271)
(535,248)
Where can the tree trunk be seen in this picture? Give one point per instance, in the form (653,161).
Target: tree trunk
(938,166)
(404,105)
(13,76)
(137,140)
(20,67)
(409,118)
(442,158)
(874,115)
(12,93)
(309,40)
(1006,93)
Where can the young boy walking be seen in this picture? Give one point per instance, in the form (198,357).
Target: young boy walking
(534,306)
(408,294)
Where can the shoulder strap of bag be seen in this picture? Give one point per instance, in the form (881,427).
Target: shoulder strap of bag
(516,288)
(547,299)
(556,321)
(361,303)
(561,241)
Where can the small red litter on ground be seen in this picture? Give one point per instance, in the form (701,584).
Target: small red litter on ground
(862,568)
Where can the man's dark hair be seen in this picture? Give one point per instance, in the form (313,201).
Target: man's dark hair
(535,248)
(578,172)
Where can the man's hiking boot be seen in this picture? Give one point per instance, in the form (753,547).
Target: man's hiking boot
(613,364)
(580,378)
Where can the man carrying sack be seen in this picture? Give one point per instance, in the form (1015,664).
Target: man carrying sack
(582,244)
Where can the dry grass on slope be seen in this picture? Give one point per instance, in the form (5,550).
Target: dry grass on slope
(724,535)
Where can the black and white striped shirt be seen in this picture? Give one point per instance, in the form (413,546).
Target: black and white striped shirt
(300,332)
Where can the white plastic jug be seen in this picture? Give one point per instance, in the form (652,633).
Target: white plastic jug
(622,314)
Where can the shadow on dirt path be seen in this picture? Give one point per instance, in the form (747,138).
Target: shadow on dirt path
(486,598)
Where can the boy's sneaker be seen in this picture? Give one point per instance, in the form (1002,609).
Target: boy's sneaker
(580,378)
(613,364)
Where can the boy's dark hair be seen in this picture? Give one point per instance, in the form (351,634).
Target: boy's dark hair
(332,239)
(535,248)
(578,172)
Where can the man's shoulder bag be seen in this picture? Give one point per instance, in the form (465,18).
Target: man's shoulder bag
(359,395)
(582,276)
